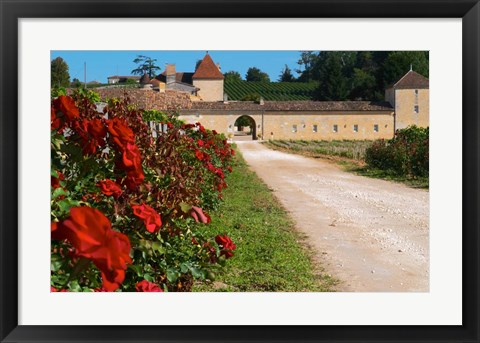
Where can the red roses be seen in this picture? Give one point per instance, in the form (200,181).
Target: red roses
(131,160)
(91,234)
(226,245)
(150,217)
(109,188)
(145,286)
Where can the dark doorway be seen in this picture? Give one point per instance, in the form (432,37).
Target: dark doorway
(245,128)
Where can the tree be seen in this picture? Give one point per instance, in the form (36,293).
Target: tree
(145,65)
(307,63)
(251,97)
(255,74)
(286,75)
(334,84)
(398,64)
(232,76)
(76,83)
(59,73)
(197,64)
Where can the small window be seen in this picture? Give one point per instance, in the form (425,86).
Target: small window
(294,128)
(416,91)
(415,108)
(355,128)
(375,128)
(315,128)
(335,128)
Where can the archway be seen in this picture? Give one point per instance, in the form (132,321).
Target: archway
(245,128)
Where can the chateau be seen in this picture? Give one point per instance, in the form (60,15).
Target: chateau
(406,103)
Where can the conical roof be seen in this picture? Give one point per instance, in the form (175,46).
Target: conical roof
(208,70)
(412,80)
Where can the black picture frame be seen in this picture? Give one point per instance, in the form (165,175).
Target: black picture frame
(11,11)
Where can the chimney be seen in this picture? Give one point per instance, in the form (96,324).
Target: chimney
(170,73)
(218,66)
(261,102)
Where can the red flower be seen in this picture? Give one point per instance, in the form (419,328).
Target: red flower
(232,152)
(55,122)
(149,216)
(131,162)
(199,154)
(120,132)
(145,286)
(109,188)
(200,143)
(66,105)
(226,245)
(97,130)
(55,182)
(200,216)
(91,234)
(53,290)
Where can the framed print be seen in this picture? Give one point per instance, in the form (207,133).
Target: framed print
(445,307)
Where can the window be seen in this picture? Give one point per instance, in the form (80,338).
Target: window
(315,128)
(415,108)
(335,128)
(355,128)
(416,91)
(375,128)
(294,128)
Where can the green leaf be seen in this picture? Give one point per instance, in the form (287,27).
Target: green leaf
(172,275)
(185,207)
(59,192)
(148,277)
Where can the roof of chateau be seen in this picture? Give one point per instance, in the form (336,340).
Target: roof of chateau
(208,70)
(356,106)
(182,77)
(412,80)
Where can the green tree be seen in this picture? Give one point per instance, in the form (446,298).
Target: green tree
(398,64)
(76,83)
(307,63)
(197,64)
(232,76)
(255,74)
(145,65)
(59,73)
(334,84)
(286,75)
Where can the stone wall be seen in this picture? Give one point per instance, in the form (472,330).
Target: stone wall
(311,125)
(149,99)
(405,102)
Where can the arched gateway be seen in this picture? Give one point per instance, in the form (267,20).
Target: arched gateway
(245,128)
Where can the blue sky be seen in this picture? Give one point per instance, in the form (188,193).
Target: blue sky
(101,64)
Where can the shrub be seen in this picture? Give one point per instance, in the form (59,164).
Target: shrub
(406,154)
(127,209)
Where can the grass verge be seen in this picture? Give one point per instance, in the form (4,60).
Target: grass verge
(345,154)
(270,256)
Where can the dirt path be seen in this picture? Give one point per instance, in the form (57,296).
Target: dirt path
(371,234)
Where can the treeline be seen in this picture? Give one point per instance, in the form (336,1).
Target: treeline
(347,75)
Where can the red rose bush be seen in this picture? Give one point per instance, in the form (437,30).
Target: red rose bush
(128,204)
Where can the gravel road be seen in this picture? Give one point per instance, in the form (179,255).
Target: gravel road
(372,235)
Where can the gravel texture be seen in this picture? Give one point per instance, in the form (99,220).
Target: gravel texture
(372,235)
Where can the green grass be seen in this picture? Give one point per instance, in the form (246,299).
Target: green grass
(270,256)
(350,155)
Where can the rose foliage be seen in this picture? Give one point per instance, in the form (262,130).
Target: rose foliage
(128,205)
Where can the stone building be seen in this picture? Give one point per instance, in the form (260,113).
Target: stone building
(406,103)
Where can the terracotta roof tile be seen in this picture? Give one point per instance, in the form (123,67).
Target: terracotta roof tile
(358,106)
(412,80)
(208,70)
